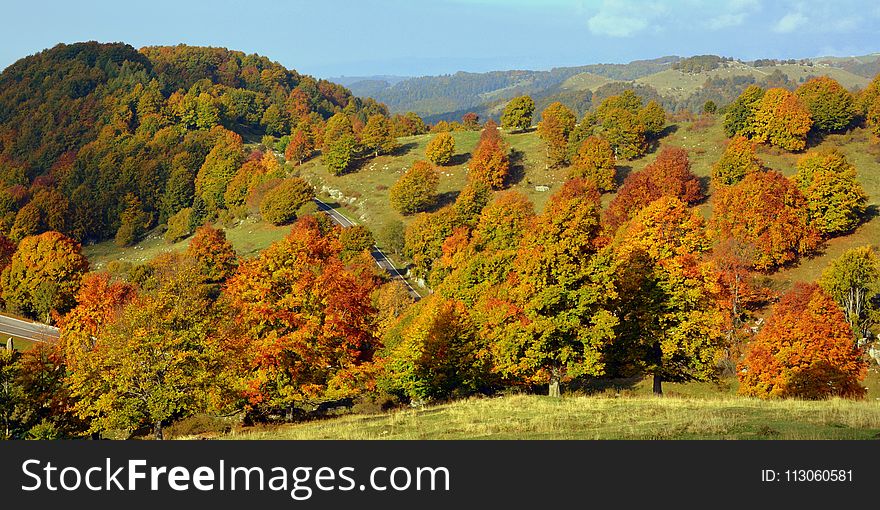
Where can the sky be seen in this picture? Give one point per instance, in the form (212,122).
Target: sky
(332,38)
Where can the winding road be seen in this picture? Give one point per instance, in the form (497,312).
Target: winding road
(379,256)
(25,330)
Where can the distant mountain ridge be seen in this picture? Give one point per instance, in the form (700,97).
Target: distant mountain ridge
(683,83)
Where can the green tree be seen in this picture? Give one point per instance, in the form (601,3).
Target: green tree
(835,199)
(561,324)
(517,115)
(377,137)
(416,190)
(154,363)
(219,167)
(280,204)
(133,222)
(739,119)
(853,281)
(831,106)
(738,160)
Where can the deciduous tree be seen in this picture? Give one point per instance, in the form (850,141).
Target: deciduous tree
(767,212)
(440,149)
(416,190)
(517,115)
(835,199)
(595,161)
(557,122)
(804,350)
(853,281)
(831,106)
(43,275)
(738,160)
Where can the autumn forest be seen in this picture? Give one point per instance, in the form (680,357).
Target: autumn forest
(632,266)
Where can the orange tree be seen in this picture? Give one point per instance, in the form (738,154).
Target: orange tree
(304,322)
(805,350)
(557,122)
(768,213)
(669,175)
(490,162)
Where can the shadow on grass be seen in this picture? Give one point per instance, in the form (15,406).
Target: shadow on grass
(443,199)
(517,168)
(459,159)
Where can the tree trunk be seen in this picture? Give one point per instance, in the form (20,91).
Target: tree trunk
(658,385)
(158,434)
(554,383)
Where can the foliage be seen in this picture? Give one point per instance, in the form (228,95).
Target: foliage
(835,199)
(669,326)
(767,212)
(377,136)
(557,122)
(804,350)
(740,116)
(153,363)
(557,325)
(517,115)
(440,149)
(416,190)
(669,175)
(831,106)
(301,146)
(738,160)
(280,204)
(305,320)
(781,119)
(43,276)
(440,355)
(355,240)
(213,254)
(853,281)
(490,161)
(134,222)
(595,161)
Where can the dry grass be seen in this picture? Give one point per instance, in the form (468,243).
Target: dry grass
(599,417)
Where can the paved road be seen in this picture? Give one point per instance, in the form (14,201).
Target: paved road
(379,256)
(33,331)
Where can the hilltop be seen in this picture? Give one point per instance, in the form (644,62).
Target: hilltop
(447,97)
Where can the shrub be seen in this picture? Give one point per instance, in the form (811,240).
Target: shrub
(280,204)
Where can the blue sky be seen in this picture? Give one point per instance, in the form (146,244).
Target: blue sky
(415,37)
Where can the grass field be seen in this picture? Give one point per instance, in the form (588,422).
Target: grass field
(249,237)
(622,410)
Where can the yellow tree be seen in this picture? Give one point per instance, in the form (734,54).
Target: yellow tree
(595,161)
(781,119)
(557,122)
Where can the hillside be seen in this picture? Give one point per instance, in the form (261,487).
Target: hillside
(450,96)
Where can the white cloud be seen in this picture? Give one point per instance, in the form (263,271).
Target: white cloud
(790,22)
(624,18)
(733,13)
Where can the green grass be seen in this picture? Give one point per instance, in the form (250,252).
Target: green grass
(248,237)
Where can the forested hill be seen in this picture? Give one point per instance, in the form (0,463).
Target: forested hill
(460,91)
(92,134)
